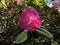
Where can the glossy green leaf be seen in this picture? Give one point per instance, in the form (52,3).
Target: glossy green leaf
(44,30)
(45,33)
(21,37)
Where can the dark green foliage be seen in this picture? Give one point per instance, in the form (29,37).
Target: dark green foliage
(9,22)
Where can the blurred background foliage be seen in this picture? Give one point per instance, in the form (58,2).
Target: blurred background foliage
(9,28)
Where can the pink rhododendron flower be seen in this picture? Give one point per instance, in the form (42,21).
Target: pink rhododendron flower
(29,20)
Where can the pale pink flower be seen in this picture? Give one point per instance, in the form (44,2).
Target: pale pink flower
(56,4)
(19,1)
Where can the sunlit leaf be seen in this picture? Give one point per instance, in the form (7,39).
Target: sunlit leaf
(1,6)
(4,3)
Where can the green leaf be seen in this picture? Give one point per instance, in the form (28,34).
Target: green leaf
(1,6)
(45,33)
(36,2)
(21,37)
(4,3)
(44,30)
(30,2)
(45,1)
(55,43)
